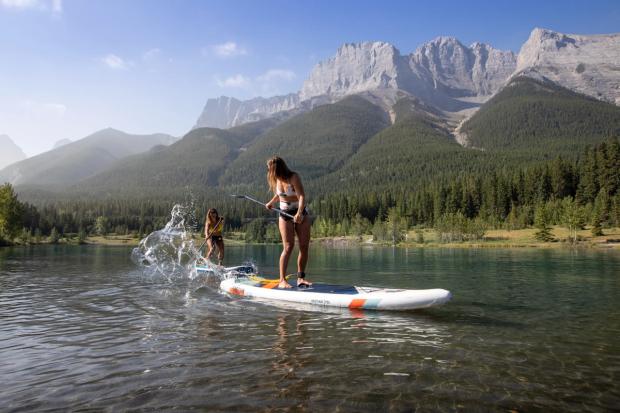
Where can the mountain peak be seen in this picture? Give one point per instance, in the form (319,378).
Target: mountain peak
(356,67)
(10,153)
(588,64)
(366,45)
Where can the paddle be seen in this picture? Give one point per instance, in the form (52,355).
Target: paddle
(260,203)
(208,236)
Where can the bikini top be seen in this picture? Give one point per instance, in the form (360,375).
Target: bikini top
(217,231)
(288,197)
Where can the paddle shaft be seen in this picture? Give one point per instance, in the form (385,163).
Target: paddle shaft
(286,214)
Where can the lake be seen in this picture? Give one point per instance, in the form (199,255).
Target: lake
(83,328)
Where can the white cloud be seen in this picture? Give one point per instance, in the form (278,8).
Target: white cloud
(114,62)
(55,6)
(274,82)
(236,81)
(229,49)
(273,75)
(20,4)
(151,54)
(270,83)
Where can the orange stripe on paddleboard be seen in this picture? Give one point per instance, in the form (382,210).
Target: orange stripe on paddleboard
(271,285)
(237,291)
(357,303)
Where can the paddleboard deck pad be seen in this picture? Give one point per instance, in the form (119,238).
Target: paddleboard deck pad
(331,295)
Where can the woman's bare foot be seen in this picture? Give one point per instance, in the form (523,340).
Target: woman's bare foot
(302,282)
(284,284)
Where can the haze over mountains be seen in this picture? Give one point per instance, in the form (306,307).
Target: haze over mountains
(75,161)
(10,151)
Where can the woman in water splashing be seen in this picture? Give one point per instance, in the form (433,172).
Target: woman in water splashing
(287,188)
(214,224)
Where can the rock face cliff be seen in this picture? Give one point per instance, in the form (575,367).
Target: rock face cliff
(355,68)
(442,73)
(449,66)
(225,112)
(585,64)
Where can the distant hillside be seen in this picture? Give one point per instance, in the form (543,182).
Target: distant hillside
(10,153)
(314,143)
(77,160)
(541,119)
(195,161)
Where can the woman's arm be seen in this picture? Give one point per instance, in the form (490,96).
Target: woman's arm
(273,200)
(301,195)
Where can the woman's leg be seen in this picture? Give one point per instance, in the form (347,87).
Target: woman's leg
(287,232)
(303,235)
(220,251)
(210,248)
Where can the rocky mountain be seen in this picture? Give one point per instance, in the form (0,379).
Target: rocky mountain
(226,112)
(444,74)
(439,72)
(10,153)
(85,157)
(459,71)
(356,68)
(585,64)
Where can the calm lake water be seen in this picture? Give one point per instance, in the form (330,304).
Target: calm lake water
(82,328)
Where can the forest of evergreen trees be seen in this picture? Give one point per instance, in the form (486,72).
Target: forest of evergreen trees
(573,193)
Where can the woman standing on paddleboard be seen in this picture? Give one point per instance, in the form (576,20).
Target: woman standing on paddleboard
(288,190)
(214,224)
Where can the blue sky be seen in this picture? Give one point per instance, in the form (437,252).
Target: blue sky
(72,67)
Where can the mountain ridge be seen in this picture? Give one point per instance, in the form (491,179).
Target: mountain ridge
(81,158)
(453,78)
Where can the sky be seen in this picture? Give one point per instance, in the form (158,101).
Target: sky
(69,68)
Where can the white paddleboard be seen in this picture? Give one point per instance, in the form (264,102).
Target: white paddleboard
(330,295)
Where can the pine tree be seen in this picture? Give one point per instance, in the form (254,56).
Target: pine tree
(81,238)
(54,236)
(541,222)
(572,217)
(11,211)
(395,225)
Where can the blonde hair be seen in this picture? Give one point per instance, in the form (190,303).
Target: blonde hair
(213,221)
(277,169)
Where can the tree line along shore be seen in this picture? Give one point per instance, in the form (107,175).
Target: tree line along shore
(560,201)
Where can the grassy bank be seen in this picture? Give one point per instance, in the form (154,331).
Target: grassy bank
(426,238)
(523,238)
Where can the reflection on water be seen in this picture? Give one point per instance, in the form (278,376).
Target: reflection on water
(84,329)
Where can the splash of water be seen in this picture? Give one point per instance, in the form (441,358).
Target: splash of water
(170,252)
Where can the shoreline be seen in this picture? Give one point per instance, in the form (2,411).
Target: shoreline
(517,239)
